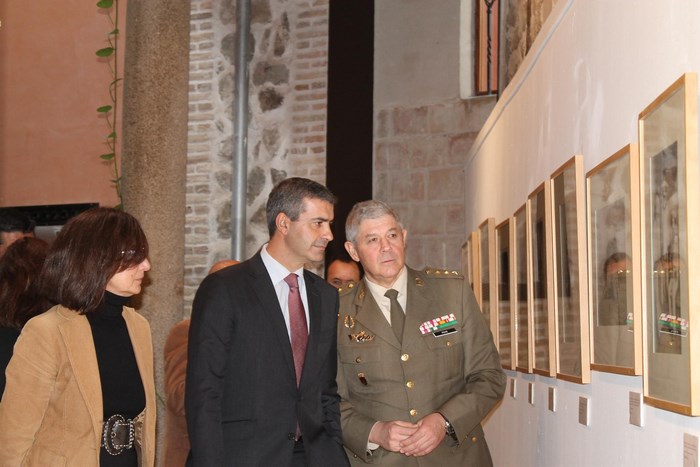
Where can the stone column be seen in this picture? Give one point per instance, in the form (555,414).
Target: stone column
(154,156)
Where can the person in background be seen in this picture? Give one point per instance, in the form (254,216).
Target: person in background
(80,388)
(418,367)
(177,442)
(20,299)
(261,387)
(342,271)
(14,224)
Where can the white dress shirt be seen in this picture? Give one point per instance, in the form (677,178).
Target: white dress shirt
(277,274)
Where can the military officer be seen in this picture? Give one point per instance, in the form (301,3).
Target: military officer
(417,366)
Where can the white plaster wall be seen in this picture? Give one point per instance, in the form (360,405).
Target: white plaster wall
(416,57)
(595,65)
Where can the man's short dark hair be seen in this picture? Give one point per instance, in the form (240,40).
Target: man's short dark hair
(344,257)
(14,220)
(288,197)
(88,251)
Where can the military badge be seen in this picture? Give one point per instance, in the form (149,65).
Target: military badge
(360,337)
(440,326)
(349,322)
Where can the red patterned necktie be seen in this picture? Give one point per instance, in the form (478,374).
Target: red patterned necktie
(297,324)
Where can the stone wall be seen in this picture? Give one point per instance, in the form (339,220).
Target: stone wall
(286,131)
(419,169)
(521,22)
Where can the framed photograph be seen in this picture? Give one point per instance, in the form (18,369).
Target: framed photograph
(668,147)
(570,272)
(487,274)
(522,330)
(467,259)
(504,292)
(614,276)
(539,224)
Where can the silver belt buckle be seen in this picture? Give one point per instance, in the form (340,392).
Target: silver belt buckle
(117,434)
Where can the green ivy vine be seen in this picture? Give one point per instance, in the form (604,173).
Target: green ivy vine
(109,111)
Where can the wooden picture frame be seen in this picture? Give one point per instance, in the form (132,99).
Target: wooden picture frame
(504,292)
(570,272)
(668,148)
(487,274)
(467,259)
(522,332)
(614,275)
(540,291)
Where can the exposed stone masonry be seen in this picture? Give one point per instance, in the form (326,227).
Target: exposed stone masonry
(287,111)
(419,169)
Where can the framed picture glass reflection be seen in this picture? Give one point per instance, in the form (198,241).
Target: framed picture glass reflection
(487,274)
(523,330)
(570,273)
(539,224)
(504,292)
(668,146)
(614,276)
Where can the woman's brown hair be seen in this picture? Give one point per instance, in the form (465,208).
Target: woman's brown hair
(90,249)
(20,267)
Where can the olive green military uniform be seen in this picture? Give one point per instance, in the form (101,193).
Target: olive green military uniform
(457,374)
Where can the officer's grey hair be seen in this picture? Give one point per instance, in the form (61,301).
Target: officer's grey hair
(371,209)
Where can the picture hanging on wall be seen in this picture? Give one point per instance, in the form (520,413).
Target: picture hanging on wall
(668,146)
(487,274)
(523,331)
(614,276)
(540,280)
(570,276)
(504,293)
(467,259)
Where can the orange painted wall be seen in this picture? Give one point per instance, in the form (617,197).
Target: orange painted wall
(51,82)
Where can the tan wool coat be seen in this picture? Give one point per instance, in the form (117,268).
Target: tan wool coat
(51,412)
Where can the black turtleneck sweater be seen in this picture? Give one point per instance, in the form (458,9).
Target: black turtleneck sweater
(122,388)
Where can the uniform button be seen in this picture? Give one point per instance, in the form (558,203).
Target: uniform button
(409,384)
(358,360)
(474,439)
(413,412)
(449,343)
(404,357)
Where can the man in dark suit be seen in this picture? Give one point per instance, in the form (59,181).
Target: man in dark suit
(260,387)
(418,366)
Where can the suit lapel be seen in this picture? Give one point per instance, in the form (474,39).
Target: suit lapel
(77,336)
(313,297)
(370,316)
(270,307)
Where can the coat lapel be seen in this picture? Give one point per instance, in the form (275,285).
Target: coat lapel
(313,297)
(265,291)
(77,336)
(419,304)
(368,314)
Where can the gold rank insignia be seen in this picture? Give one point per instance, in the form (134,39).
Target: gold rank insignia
(349,322)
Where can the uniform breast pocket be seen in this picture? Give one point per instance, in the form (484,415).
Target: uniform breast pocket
(361,366)
(446,349)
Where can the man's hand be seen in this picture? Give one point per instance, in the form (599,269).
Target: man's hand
(430,433)
(389,435)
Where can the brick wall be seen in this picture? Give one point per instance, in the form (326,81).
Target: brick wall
(419,169)
(286,132)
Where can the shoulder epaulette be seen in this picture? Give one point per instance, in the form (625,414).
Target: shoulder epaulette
(442,273)
(347,289)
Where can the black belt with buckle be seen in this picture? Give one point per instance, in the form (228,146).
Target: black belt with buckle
(118,434)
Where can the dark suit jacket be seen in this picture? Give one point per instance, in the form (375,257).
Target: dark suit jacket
(241,398)
(458,375)
(8,337)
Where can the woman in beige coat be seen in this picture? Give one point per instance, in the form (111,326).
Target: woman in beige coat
(80,388)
